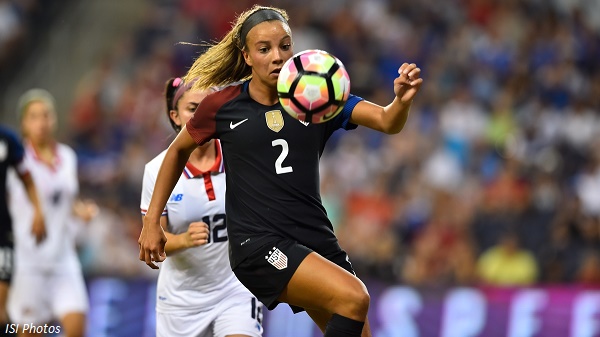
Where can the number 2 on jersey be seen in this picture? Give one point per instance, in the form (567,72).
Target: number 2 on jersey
(217,228)
(279,168)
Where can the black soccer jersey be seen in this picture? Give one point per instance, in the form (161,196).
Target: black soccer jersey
(272,165)
(11,154)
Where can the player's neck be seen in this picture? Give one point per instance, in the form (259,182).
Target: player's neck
(262,93)
(44,150)
(203,157)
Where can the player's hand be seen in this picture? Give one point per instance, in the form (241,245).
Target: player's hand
(38,227)
(86,210)
(407,84)
(197,234)
(152,243)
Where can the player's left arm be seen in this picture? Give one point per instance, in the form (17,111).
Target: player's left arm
(391,119)
(196,235)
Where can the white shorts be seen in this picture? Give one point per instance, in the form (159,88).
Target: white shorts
(238,314)
(38,297)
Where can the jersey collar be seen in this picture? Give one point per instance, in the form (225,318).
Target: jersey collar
(191,171)
(35,154)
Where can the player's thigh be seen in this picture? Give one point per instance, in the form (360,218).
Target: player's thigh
(320,284)
(29,297)
(184,324)
(239,314)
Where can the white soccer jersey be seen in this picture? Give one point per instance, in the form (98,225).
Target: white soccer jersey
(57,187)
(198,278)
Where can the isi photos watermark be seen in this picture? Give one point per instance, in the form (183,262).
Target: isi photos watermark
(32,328)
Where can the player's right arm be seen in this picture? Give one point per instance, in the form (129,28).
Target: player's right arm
(38,226)
(152,238)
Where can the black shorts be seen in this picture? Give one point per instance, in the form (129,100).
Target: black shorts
(268,270)
(6,263)
(6,254)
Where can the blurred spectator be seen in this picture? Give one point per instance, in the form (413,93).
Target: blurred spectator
(11,28)
(442,253)
(365,231)
(22,24)
(507,264)
(588,188)
(589,271)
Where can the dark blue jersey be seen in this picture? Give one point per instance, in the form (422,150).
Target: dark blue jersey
(11,155)
(272,165)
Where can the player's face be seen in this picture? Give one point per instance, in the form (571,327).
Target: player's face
(38,122)
(186,106)
(268,46)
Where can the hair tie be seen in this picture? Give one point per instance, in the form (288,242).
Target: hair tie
(182,87)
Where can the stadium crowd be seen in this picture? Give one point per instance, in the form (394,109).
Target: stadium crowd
(21,24)
(494,180)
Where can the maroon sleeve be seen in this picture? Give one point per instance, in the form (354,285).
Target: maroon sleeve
(203,125)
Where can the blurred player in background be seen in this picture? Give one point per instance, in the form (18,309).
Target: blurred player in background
(48,283)
(197,293)
(282,244)
(11,156)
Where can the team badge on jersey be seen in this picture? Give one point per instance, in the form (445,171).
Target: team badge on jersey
(277,258)
(274,120)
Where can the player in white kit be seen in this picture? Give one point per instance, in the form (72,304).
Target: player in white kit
(48,284)
(197,293)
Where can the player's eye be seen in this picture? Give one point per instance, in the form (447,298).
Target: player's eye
(263,50)
(192,107)
(286,46)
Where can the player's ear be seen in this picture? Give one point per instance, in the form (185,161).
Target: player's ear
(247,57)
(174,115)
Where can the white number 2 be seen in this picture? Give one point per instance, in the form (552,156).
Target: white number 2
(284,152)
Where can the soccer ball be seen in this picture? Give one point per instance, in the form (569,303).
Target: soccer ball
(313,86)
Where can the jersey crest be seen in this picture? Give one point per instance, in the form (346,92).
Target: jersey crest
(274,120)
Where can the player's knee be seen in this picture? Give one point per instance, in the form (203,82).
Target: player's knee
(355,303)
(361,301)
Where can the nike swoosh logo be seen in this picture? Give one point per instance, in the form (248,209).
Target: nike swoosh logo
(233,126)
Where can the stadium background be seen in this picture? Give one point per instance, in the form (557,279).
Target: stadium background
(502,143)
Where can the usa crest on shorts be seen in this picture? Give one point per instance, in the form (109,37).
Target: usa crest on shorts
(277,258)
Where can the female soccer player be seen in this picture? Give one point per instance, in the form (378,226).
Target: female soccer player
(197,293)
(47,283)
(282,245)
